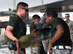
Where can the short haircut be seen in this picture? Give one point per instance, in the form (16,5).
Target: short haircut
(36,17)
(21,5)
(51,12)
(67,14)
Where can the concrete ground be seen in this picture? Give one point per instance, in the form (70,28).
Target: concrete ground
(7,51)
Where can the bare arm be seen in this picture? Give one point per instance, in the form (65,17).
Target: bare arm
(8,33)
(58,34)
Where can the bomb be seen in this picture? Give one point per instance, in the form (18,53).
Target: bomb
(28,40)
(24,41)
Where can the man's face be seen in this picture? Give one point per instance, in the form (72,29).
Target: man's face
(24,11)
(48,19)
(66,17)
(36,21)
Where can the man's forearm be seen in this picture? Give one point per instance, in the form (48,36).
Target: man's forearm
(10,35)
(57,35)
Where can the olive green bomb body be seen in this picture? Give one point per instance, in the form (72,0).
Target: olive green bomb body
(28,40)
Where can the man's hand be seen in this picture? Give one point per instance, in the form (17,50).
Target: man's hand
(50,47)
(35,33)
(17,42)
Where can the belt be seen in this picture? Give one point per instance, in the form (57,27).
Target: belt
(62,47)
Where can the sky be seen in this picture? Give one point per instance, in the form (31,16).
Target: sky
(6,4)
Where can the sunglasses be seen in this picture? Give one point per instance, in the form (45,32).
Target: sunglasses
(26,9)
